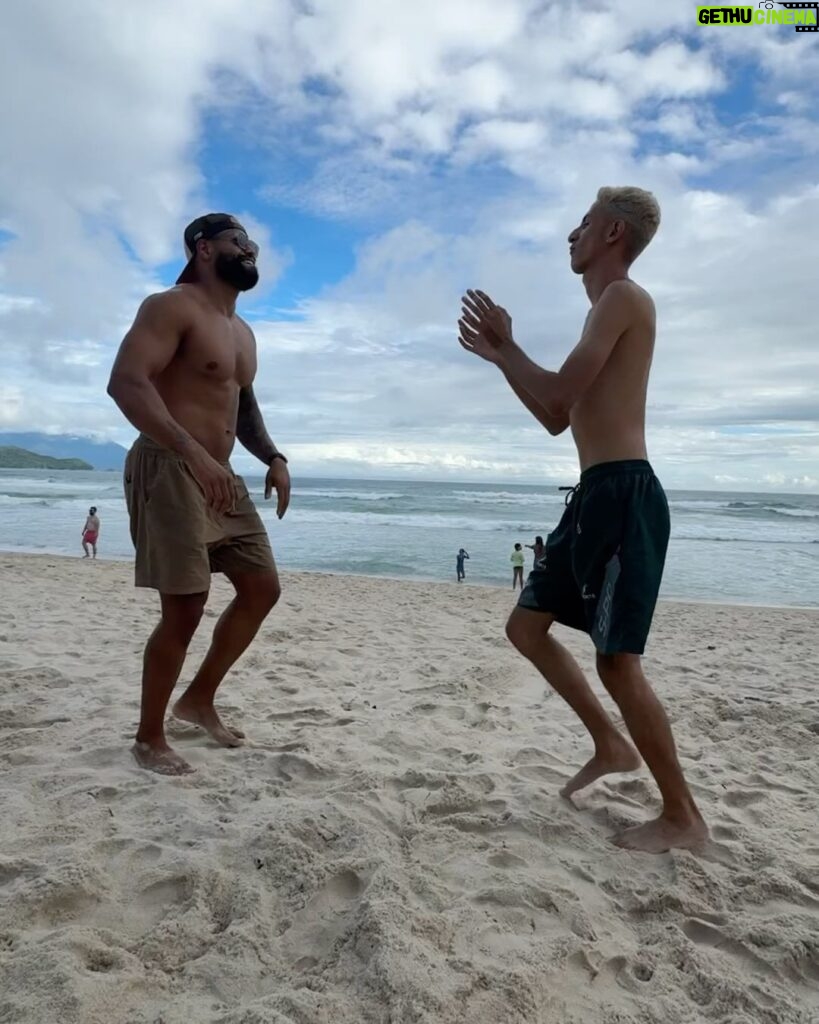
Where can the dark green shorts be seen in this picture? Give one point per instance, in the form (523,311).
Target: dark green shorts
(602,566)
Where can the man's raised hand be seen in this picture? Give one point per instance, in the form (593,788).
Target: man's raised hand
(484,328)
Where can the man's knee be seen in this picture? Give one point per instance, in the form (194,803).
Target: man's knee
(259,593)
(527,630)
(181,615)
(270,593)
(619,673)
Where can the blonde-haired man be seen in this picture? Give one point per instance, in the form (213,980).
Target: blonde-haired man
(603,563)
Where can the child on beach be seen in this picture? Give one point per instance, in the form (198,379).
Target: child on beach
(459,564)
(517,559)
(538,549)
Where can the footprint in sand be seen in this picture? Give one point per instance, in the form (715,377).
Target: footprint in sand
(744,798)
(64,900)
(101,961)
(704,934)
(758,779)
(442,689)
(542,773)
(136,855)
(583,874)
(160,899)
(310,713)
(517,896)
(534,755)
(12,869)
(483,716)
(325,918)
(281,748)
(632,975)
(505,859)
(24,721)
(290,766)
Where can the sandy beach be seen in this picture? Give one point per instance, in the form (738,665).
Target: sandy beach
(389,846)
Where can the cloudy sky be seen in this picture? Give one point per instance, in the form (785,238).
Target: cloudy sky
(387,155)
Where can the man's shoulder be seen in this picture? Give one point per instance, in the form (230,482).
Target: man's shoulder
(627,290)
(629,294)
(248,329)
(628,304)
(184,295)
(179,297)
(176,307)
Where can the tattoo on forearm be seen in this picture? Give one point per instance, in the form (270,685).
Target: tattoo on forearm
(250,428)
(181,437)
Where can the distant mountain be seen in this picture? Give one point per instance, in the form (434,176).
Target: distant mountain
(100,454)
(19,458)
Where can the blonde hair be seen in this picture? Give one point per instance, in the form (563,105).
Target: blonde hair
(638,208)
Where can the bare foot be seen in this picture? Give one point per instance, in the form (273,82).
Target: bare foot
(161,760)
(207,718)
(662,834)
(624,759)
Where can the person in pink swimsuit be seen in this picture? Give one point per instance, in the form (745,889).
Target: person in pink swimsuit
(90,532)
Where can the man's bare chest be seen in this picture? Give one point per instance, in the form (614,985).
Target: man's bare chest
(219,351)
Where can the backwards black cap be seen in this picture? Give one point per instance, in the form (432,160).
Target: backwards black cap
(205,227)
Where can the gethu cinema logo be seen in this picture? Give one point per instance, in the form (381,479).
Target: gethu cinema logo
(803,16)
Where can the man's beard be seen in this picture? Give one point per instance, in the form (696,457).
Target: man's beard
(235,272)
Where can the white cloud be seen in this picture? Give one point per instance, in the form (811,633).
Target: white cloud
(670,70)
(394,112)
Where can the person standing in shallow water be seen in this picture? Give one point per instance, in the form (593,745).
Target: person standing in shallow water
(537,550)
(91,532)
(604,561)
(184,378)
(459,564)
(517,559)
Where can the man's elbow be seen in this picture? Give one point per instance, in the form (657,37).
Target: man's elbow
(116,386)
(121,386)
(559,407)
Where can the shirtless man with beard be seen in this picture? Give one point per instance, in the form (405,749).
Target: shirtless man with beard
(184,378)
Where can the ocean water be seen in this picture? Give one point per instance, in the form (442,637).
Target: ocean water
(750,548)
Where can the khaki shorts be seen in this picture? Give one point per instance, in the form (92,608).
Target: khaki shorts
(179,540)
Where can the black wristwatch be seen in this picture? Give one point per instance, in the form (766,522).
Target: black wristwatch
(277,455)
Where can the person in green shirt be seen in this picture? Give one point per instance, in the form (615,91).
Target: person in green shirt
(517,560)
